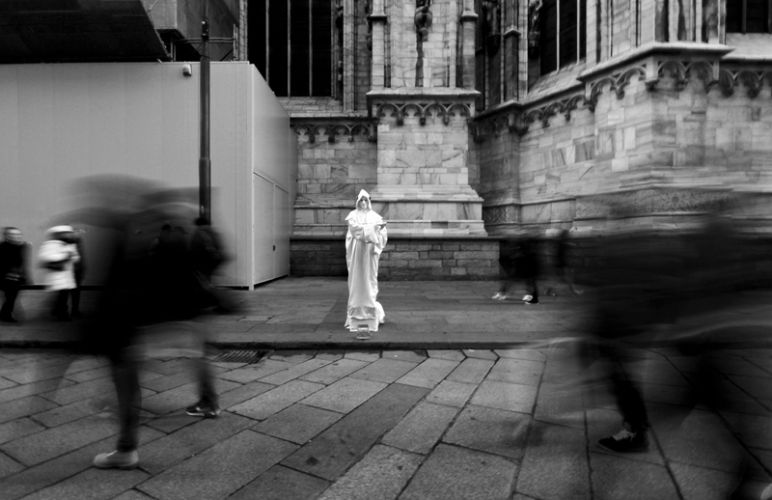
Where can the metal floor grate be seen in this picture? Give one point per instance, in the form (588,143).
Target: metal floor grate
(240,356)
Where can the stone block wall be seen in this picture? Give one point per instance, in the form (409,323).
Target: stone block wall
(335,170)
(414,155)
(404,258)
(627,137)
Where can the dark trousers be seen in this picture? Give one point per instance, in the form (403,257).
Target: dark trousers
(124,363)
(125,372)
(61,304)
(11,291)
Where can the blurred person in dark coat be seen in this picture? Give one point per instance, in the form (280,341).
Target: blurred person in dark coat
(79,271)
(14,255)
(207,255)
(519,260)
(152,283)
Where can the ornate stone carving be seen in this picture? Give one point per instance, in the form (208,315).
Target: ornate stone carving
(713,74)
(335,128)
(519,120)
(422,109)
(616,83)
(423,18)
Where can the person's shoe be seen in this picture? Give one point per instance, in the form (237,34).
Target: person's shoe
(499,296)
(527,297)
(766,494)
(8,319)
(203,410)
(117,460)
(626,441)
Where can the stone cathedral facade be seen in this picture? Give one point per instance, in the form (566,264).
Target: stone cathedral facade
(472,120)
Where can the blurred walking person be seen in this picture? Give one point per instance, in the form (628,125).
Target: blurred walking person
(152,291)
(14,255)
(206,253)
(58,255)
(79,270)
(519,260)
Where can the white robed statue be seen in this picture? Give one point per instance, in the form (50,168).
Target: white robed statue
(365,240)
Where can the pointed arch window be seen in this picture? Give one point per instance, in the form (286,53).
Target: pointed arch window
(562,33)
(749,16)
(291,43)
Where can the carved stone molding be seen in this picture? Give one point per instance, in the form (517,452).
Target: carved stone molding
(443,105)
(615,82)
(335,128)
(422,110)
(519,119)
(727,77)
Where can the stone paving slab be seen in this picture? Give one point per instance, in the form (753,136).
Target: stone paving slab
(221,469)
(275,400)
(422,428)
(380,475)
(299,423)
(344,395)
(343,444)
(282,483)
(453,473)
(552,452)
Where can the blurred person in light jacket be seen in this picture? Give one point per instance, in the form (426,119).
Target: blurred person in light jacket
(58,255)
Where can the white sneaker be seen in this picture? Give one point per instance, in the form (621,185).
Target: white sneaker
(499,296)
(767,493)
(117,460)
(527,297)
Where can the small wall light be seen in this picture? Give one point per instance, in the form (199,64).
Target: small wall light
(187,70)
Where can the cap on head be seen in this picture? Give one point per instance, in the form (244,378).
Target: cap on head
(60,229)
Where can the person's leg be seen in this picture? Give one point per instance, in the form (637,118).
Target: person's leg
(11,293)
(532,294)
(75,299)
(630,404)
(207,405)
(126,379)
(60,304)
(505,281)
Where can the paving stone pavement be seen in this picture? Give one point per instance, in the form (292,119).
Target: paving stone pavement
(378,424)
(457,396)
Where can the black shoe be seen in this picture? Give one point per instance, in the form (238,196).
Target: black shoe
(8,319)
(626,441)
(202,410)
